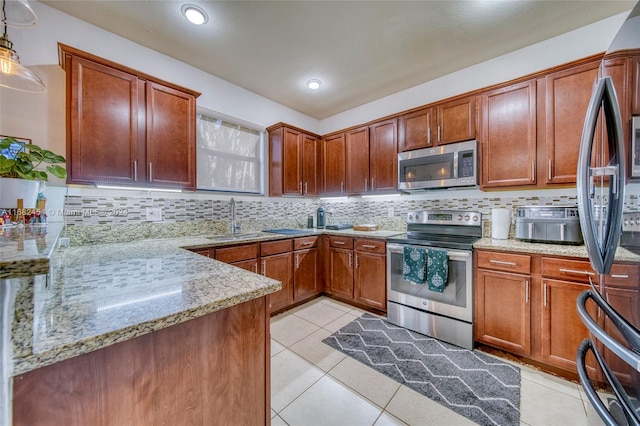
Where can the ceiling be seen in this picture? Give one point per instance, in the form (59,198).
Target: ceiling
(361,50)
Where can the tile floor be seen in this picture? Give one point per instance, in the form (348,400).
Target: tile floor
(313,384)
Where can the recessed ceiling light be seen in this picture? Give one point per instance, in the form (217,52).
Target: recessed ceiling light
(313,84)
(195,14)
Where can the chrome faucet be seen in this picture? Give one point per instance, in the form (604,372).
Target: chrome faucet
(235,229)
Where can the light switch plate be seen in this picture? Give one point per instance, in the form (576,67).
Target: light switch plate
(154,214)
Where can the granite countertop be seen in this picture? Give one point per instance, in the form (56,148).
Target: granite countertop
(26,250)
(622,255)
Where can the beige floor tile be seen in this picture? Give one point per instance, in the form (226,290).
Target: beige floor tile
(369,383)
(276,348)
(291,329)
(337,324)
(319,314)
(290,377)
(417,410)
(550,381)
(329,403)
(305,305)
(387,419)
(336,304)
(277,421)
(313,350)
(273,413)
(542,405)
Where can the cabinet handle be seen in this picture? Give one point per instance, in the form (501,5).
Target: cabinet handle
(526,292)
(297,261)
(428,135)
(340,243)
(306,188)
(373,184)
(573,271)
(300,187)
(356,261)
(369,246)
(308,243)
(531,230)
(438,133)
(549,170)
(350,260)
(342,186)
(502,262)
(544,298)
(264,267)
(255,267)
(621,276)
(533,170)
(135,170)
(150,172)
(366,185)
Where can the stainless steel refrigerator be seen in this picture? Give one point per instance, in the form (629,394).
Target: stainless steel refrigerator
(602,179)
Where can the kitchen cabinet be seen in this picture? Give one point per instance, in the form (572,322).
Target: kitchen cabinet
(567,96)
(341,267)
(508,143)
(294,162)
(503,301)
(635,84)
(207,252)
(244,256)
(333,162)
(357,160)
(438,124)
(276,262)
(307,282)
(370,274)
(125,127)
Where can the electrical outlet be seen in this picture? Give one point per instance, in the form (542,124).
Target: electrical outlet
(390,212)
(154,214)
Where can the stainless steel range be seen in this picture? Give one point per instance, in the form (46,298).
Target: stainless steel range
(446,315)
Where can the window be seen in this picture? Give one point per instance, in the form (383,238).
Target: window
(230,156)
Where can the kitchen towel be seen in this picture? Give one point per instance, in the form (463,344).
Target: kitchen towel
(437,269)
(414,265)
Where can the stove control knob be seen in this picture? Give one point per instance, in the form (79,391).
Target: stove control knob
(459,217)
(475,218)
(638,221)
(466,218)
(625,222)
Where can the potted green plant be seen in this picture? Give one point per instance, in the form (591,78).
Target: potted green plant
(21,171)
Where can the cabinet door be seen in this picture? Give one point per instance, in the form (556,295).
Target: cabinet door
(310,165)
(503,311)
(635,85)
(333,163)
(508,136)
(456,120)
(619,69)
(104,138)
(306,282)
(279,268)
(568,93)
(562,330)
(248,265)
(370,284)
(383,156)
(171,137)
(341,265)
(415,130)
(357,155)
(627,302)
(291,162)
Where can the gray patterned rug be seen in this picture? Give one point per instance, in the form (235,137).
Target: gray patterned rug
(477,386)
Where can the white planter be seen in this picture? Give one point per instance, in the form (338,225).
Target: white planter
(12,189)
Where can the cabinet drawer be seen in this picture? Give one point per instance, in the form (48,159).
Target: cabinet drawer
(623,276)
(209,252)
(275,247)
(341,242)
(237,253)
(305,242)
(509,262)
(566,269)
(371,246)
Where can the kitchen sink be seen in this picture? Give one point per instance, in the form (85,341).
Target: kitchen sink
(230,237)
(287,231)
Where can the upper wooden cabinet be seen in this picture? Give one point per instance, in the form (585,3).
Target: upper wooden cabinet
(333,164)
(508,136)
(125,127)
(635,84)
(357,156)
(567,96)
(294,156)
(442,123)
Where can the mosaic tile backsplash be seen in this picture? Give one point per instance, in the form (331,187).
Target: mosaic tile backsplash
(120,218)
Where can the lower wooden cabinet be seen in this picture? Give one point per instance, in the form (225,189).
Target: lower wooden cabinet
(279,268)
(306,277)
(341,275)
(369,279)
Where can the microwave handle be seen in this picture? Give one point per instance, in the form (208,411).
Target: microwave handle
(399,249)
(455,165)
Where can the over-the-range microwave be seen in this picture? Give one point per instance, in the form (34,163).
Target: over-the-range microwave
(445,166)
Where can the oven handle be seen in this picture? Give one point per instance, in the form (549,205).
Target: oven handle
(399,249)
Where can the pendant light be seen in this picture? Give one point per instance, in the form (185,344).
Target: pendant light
(12,74)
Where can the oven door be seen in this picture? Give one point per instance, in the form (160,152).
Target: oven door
(457,299)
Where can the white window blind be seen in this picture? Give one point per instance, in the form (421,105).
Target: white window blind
(230,156)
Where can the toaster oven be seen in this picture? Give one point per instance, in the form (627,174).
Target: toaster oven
(548,224)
